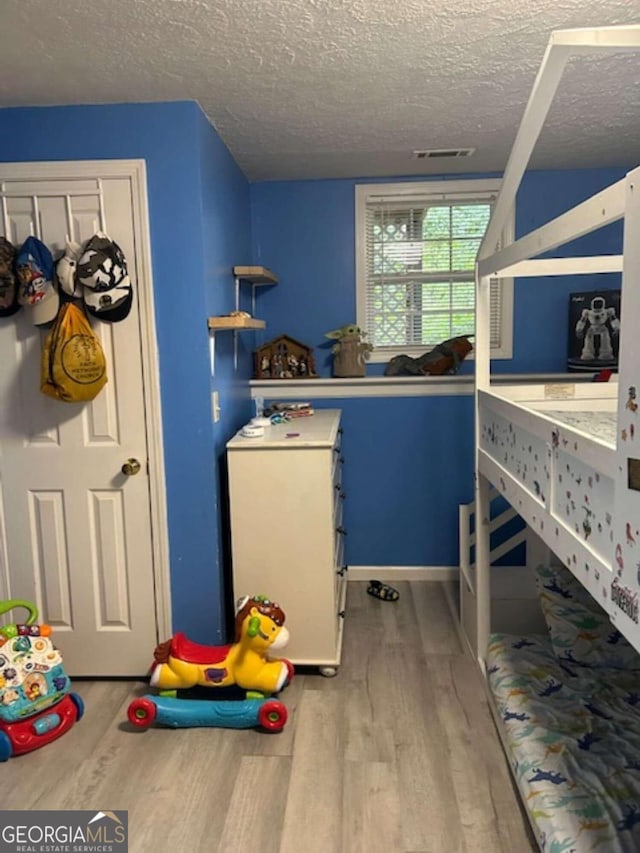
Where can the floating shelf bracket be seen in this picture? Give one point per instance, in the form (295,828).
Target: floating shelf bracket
(256,277)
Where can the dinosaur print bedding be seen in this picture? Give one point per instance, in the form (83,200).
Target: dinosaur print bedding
(572,735)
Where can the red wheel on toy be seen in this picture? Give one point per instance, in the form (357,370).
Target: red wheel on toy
(142,712)
(272,716)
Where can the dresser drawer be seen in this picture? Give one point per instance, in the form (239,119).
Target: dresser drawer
(340,568)
(338,461)
(338,508)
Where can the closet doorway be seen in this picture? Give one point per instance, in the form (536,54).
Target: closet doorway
(80,537)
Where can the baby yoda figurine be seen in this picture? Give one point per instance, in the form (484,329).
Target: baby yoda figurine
(350,350)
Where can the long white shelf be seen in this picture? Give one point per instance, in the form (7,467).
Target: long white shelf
(394,386)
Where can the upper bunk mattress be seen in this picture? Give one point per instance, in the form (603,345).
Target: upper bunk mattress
(588,409)
(599,425)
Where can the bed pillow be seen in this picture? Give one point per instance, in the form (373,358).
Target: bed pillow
(580,630)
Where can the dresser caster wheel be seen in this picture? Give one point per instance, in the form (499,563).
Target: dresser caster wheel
(329,671)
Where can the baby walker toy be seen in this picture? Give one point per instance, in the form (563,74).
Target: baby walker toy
(36,705)
(183,672)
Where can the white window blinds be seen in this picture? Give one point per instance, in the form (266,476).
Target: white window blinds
(418,283)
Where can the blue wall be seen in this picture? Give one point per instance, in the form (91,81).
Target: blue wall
(306,231)
(199,218)
(226,232)
(408,464)
(409,461)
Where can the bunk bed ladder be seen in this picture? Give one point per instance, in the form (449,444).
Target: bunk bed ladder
(514,601)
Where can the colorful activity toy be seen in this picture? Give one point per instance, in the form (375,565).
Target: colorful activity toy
(36,702)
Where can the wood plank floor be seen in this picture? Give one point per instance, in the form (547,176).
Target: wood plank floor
(397,754)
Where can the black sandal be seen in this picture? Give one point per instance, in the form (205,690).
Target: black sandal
(382,591)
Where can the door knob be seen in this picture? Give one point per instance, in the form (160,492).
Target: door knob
(130,467)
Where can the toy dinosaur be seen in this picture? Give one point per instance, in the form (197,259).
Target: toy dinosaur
(444,358)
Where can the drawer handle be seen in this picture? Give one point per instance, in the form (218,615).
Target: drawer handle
(341,530)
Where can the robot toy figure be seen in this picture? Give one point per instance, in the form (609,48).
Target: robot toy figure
(595,322)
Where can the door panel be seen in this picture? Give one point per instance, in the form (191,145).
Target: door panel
(76,531)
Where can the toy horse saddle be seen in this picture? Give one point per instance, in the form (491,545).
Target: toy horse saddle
(31,672)
(182,648)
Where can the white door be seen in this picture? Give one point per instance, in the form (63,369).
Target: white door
(76,530)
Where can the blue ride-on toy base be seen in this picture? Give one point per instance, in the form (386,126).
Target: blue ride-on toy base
(267,714)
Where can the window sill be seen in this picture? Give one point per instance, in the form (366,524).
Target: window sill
(392,386)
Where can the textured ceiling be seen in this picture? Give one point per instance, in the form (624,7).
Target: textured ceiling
(335,88)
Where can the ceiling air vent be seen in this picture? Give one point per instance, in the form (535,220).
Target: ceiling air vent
(442,153)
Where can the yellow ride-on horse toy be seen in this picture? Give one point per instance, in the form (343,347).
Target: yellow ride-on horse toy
(183,669)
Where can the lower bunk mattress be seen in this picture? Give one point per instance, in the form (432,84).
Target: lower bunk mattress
(572,736)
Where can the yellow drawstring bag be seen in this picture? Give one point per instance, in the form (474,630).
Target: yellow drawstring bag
(73,368)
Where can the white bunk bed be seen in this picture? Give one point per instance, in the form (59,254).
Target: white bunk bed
(566,456)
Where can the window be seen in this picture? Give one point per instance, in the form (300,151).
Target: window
(416,246)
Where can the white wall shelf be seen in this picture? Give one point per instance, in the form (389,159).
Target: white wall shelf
(393,386)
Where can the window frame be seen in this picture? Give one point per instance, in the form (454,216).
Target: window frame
(443,191)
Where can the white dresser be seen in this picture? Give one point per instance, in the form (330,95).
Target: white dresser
(287,537)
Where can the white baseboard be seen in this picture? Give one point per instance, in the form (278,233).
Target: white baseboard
(403,573)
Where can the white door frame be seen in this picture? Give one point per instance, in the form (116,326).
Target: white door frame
(136,172)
